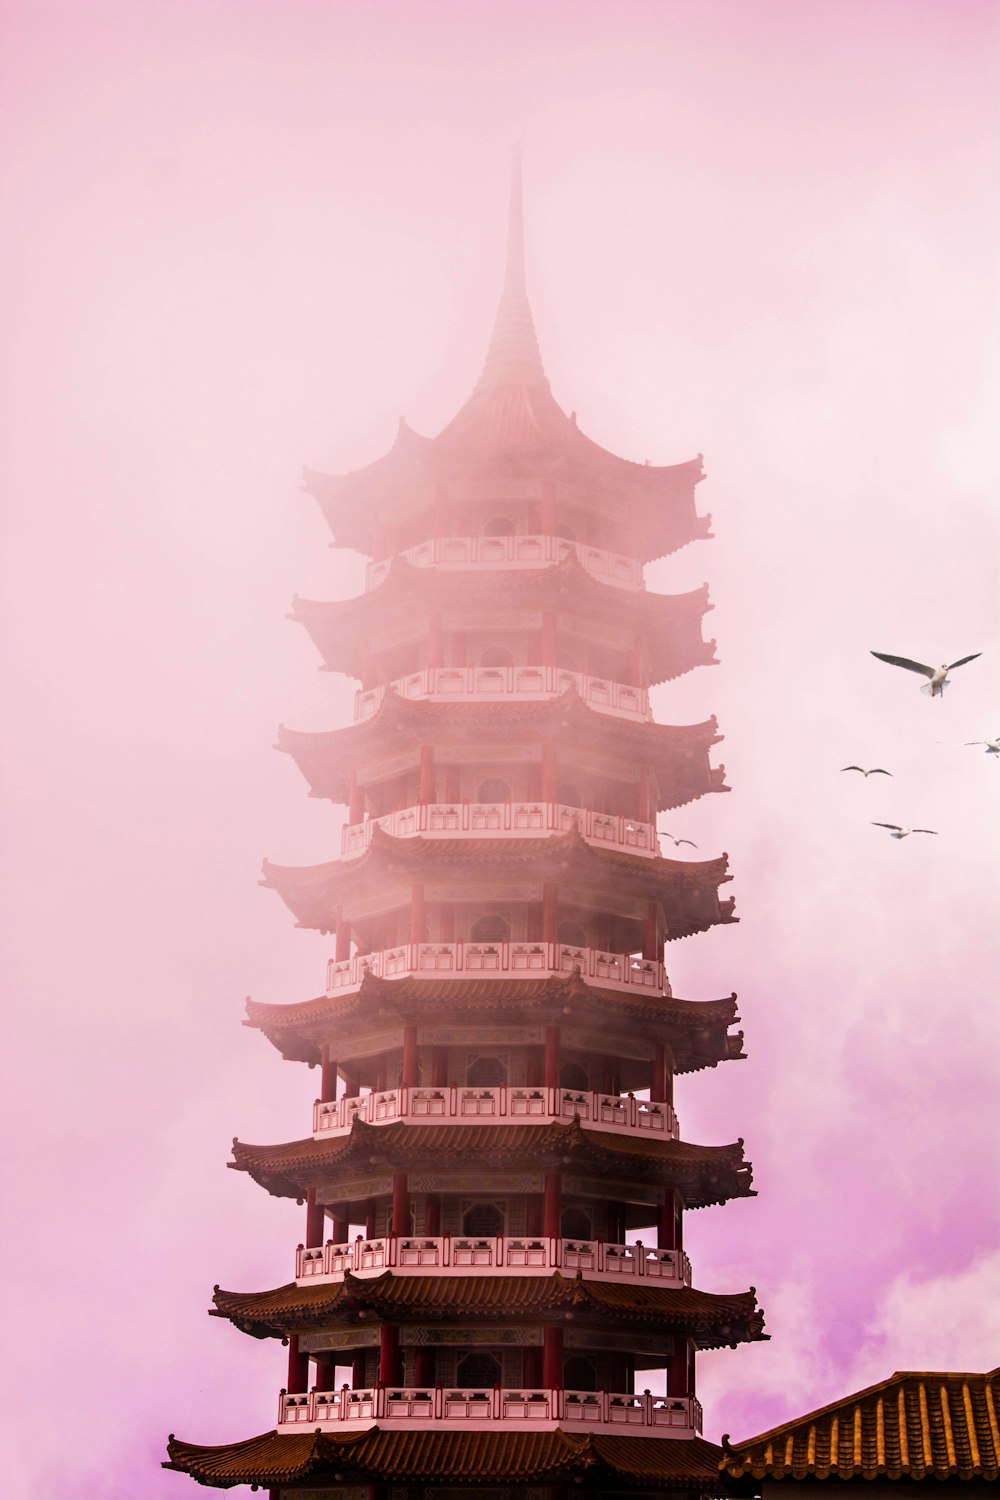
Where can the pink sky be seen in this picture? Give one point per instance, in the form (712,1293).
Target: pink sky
(243,236)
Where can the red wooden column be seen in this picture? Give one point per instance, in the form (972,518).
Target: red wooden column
(298,1367)
(432,1214)
(411,1062)
(439,1067)
(548,772)
(328,1075)
(355,800)
(550,1075)
(342,937)
(326,1372)
(371,1210)
(533,1213)
(661,1082)
(352,1086)
(358,1371)
(651,932)
(426,792)
(548,508)
(418,914)
(552,1205)
(388,1354)
(315,1220)
(552,1358)
(548,638)
(670,1221)
(642,797)
(400,1203)
(452,784)
(423,1367)
(435,641)
(677,1369)
(531,1368)
(550,912)
(340,1228)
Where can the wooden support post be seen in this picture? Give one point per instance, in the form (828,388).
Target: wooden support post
(635,662)
(550,912)
(423,1367)
(315,1220)
(552,1358)
(298,1368)
(552,1209)
(328,1075)
(677,1368)
(432,1214)
(400,1203)
(342,939)
(548,508)
(549,773)
(651,932)
(531,1369)
(642,810)
(355,800)
(411,1063)
(550,1076)
(439,1067)
(426,788)
(659,1083)
(666,1222)
(548,638)
(418,914)
(435,641)
(340,1230)
(388,1354)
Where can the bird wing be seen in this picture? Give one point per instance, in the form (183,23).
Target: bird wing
(897,826)
(878,771)
(961,664)
(904,661)
(686,841)
(923,830)
(977,742)
(853,768)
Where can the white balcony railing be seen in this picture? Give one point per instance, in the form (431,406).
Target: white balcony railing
(621,1114)
(512,820)
(442,961)
(512,684)
(418,1407)
(502,1255)
(466,553)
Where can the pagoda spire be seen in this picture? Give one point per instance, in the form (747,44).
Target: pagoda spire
(513,357)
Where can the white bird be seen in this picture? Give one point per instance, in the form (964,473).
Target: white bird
(665,835)
(938,675)
(873,771)
(895,832)
(992,746)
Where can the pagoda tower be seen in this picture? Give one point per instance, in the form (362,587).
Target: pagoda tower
(492,1291)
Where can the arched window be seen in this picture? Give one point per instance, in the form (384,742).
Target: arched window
(490,930)
(576,1224)
(483,1221)
(493,790)
(578,1374)
(572,934)
(499,526)
(573,1075)
(478,1372)
(496,656)
(486,1073)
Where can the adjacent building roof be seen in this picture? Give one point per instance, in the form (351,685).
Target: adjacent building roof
(697,1030)
(272,1459)
(914,1425)
(676,754)
(670,623)
(687,889)
(702,1174)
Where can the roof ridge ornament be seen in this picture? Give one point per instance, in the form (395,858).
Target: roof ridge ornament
(513,357)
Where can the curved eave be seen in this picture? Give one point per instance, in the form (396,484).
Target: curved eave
(697,1030)
(272,1459)
(688,890)
(678,754)
(704,1175)
(715,1320)
(671,623)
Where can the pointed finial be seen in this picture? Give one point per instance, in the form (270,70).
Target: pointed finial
(513,357)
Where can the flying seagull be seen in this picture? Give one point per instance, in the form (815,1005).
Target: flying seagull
(895,832)
(665,835)
(873,771)
(992,746)
(938,675)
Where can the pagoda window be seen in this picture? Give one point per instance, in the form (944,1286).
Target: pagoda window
(484,1221)
(486,1073)
(579,1374)
(576,1225)
(568,795)
(573,1075)
(491,929)
(478,1372)
(493,790)
(499,526)
(496,656)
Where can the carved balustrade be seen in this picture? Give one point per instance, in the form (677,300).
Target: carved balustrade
(441,961)
(471,820)
(514,553)
(518,684)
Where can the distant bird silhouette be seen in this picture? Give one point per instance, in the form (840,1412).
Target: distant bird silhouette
(873,771)
(992,746)
(895,832)
(938,675)
(665,835)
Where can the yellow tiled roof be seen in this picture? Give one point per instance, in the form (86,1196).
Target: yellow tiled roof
(913,1425)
